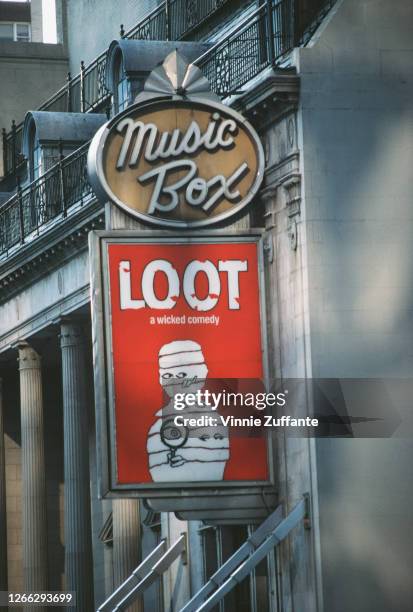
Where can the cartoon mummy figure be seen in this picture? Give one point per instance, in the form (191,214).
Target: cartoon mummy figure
(178,453)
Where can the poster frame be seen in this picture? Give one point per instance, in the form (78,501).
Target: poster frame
(103,361)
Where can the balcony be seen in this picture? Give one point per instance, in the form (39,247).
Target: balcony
(256,43)
(86,92)
(262,40)
(33,210)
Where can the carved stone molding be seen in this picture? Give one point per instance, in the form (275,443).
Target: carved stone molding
(28,359)
(45,318)
(71,332)
(36,259)
(270,99)
(268,197)
(281,172)
(292,187)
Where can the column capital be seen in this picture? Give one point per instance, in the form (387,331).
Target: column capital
(28,358)
(292,187)
(71,333)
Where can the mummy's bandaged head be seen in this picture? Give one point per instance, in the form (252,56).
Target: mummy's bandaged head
(182,367)
(179,453)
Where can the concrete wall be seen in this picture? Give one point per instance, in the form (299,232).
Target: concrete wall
(37,20)
(29,74)
(356,139)
(93,24)
(46,299)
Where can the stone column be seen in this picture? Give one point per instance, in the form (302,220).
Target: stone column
(78,538)
(126,542)
(33,471)
(3,516)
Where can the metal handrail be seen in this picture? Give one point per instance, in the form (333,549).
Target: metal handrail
(176,550)
(254,45)
(134,579)
(87,91)
(142,30)
(152,568)
(259,41)
(242,54)
(214,47)
(51,195)
(246,558)
(249,546)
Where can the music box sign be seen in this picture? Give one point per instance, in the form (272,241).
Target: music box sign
(177,163)
(176,321)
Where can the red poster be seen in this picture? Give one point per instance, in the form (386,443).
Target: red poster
(182,315)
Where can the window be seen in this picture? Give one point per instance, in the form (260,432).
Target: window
(122,92)
(35,161)
(18,32)
(254,593)
(22,32)
(6,31)
(219,543)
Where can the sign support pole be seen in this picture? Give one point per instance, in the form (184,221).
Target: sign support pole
(126,512)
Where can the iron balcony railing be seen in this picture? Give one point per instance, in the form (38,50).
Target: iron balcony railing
(272,30)
(266,36)
(86,92)
(262,40)
(50,196)
(174,19)
(248,49)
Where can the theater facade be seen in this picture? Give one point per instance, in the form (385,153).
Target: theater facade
(218,203)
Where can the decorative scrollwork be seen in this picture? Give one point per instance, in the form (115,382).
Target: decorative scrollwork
(31,208)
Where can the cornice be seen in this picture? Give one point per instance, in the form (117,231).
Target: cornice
(47,252)
(270,99)
(51,315)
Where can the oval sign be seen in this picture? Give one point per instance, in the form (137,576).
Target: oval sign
(177,163)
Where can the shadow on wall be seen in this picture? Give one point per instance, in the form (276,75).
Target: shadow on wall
(366,524)
(356,93)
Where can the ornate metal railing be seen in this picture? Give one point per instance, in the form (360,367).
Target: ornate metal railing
(153,27)
(12,148)
(244,53)
(174,19)
(86,92)
(260,41)
(186,15)
(272,30)
(50,196)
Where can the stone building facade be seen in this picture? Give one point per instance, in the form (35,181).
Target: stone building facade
(328,87)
